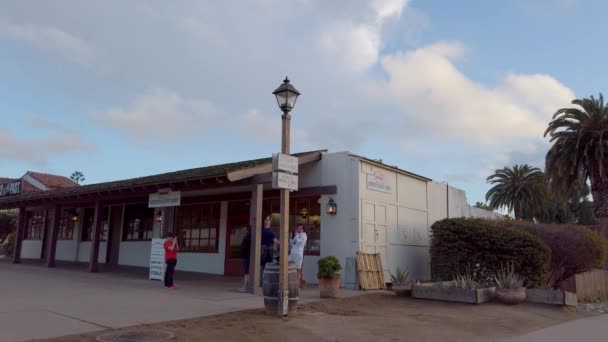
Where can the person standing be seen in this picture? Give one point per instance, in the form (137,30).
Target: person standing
(171,248)
(268,245)
(245,252)
(298,242)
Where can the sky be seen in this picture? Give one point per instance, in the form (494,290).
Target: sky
(451,90)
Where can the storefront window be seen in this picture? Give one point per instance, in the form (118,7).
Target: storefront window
(88,222)
(35,225)
(197,226)
(66,226)
(139,222)
(303,211)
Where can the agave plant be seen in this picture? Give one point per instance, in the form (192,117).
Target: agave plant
(400,276)
(506,278)
(465,281)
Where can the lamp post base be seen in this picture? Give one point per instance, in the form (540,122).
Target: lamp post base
(283,305)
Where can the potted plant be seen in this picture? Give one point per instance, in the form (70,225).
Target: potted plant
(509,286)
(399,283)
(329,278)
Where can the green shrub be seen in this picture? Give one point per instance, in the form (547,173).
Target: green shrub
(328,267)
(9,244)
(458,245)
(574,249)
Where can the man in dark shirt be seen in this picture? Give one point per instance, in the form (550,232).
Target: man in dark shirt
(245,252)
(268,243)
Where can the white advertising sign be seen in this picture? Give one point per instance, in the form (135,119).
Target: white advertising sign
(165,199)
(376,182)
(284,162)
(157,260)
(282,180)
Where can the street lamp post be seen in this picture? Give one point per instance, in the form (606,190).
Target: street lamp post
(286,95)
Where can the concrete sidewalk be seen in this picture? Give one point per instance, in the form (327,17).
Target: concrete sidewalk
(589,329)
(38,302)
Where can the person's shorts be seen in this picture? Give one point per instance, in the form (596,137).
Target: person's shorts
(297,258)
(246,265)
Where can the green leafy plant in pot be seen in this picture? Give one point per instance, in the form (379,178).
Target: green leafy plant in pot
(509,286)
(329,277)
(399,283)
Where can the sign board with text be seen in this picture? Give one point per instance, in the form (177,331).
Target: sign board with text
(10,189)
(165,199)
(284,162)
(282,180)
(377,182)
(157,260)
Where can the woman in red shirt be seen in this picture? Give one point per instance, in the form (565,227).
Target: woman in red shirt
(171,248)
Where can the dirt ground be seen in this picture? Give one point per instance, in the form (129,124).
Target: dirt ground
(371,317)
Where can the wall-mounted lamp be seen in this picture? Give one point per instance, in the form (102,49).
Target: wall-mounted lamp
(159,216)
(332,207)
(75,217)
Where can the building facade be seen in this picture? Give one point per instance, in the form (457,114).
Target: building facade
(380,209)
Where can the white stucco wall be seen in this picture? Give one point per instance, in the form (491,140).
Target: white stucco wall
(84,251)
(395,222)
(31,249)
(66,250)
(134,253)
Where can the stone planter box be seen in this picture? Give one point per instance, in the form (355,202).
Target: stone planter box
(453,294)
(548,296)
(404,290)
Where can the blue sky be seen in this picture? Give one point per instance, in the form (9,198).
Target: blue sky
(448,89)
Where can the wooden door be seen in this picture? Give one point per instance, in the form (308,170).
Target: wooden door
(236,229)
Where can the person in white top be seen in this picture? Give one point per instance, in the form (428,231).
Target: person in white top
(297,242)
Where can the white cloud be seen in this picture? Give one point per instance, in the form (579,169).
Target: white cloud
(41,150)
(444,103)
(358,42)
(160,115)
(50,38)
(268,128)
(359,45)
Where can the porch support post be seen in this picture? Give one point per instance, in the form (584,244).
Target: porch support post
(53,233)
(97,227)
(255,219)
(20,234)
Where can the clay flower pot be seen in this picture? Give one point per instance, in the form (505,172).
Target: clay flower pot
(511,296)
(330,287)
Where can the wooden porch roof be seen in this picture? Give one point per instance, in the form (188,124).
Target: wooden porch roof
(196,178)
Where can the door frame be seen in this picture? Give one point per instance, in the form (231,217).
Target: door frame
(230,266)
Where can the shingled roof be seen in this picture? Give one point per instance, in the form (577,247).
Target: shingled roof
(52,181)
(166,179)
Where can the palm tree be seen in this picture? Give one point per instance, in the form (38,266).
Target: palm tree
(580,151)
(77,177)
(521,189)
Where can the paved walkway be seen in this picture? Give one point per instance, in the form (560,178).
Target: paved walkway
(38,302)
(589,329)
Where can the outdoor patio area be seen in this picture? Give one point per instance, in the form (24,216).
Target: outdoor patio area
(41,302)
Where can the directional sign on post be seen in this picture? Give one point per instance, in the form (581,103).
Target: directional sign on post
(284,162)
(283,180)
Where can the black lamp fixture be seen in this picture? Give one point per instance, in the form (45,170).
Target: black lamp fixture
(159,216)
(331,208)
(286,95)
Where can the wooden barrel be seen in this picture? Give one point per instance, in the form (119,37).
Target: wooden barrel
(271,287)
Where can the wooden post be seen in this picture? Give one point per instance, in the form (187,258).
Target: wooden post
(284,234)
(255,219)
(53,233)
(20,234)
(97,227)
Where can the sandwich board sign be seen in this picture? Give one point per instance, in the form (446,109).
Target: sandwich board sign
(157,260)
